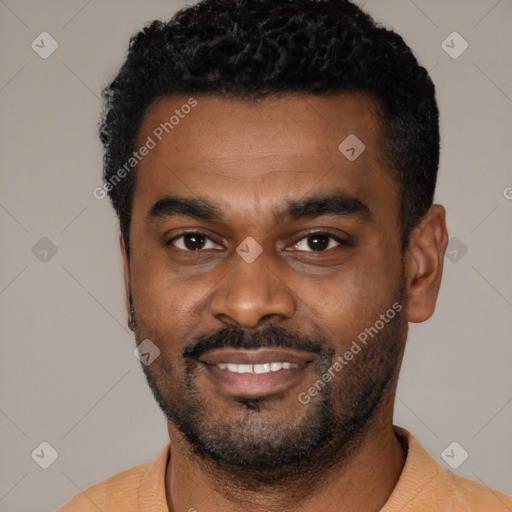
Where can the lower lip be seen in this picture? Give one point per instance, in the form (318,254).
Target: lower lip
(254,385)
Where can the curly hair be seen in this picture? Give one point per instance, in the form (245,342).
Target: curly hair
(252,49)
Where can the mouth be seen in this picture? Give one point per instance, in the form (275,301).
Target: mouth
(255,373)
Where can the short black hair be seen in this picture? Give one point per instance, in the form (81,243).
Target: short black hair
(258,48)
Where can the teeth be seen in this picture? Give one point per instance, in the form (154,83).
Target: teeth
(256,368)
(261,368)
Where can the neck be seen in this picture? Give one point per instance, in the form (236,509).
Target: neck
(363,481)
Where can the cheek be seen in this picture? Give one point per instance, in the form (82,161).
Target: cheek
(355,297)
(159,300)
(169,308)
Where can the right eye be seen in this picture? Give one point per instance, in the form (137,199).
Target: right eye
(191,241)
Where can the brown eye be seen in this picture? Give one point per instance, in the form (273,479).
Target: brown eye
(317,242)
(192,241)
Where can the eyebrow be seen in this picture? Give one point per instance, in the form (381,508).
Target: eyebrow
(336,203)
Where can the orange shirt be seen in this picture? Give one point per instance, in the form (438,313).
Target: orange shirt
(424,486)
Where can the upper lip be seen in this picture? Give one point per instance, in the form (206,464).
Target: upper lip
(255,356)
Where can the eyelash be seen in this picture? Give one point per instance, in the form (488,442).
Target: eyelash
(342,242)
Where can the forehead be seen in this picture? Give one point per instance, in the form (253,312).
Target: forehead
(252,154)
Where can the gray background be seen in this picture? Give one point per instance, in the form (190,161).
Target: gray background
(67,372)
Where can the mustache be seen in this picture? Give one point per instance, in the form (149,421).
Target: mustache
(272,336)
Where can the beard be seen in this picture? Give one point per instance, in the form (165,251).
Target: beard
(273,440)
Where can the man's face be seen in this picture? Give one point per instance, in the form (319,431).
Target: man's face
(267,177)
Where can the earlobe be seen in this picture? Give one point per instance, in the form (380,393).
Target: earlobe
(424,264)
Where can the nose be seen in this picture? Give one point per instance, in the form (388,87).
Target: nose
(252,293)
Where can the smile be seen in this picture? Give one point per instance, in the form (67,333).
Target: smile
(256,369)
(255,373)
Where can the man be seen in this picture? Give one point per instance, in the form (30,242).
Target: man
(273,166)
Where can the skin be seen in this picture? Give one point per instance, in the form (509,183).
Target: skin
(249,158)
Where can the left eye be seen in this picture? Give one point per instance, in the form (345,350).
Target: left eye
(317,242)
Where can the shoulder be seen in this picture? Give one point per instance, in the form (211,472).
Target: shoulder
(141,487)
(425,485)
(468,495)
(120,490)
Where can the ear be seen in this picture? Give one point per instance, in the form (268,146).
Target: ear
(126,274)
(424,260)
